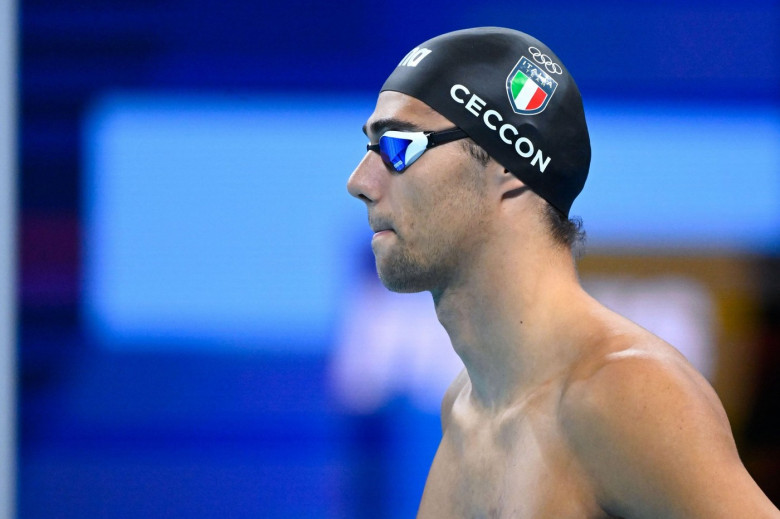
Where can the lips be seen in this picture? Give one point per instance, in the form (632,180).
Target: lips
(379,225)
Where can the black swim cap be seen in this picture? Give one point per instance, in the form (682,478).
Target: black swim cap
(513,97)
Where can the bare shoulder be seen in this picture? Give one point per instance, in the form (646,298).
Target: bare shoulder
(635,373)
(457,386)
(653,435)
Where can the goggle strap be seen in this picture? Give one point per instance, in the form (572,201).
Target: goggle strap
(445,136)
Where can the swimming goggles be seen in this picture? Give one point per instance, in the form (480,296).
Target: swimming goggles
(401,149)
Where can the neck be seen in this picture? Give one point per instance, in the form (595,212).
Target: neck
(511,320)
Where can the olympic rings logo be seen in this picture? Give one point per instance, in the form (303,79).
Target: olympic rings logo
(544,59)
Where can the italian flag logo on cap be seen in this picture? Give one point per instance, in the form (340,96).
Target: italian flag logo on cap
(529,88)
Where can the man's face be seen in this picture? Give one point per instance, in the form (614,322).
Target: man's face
(429,219)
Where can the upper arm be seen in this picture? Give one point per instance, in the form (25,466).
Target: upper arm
(656,443)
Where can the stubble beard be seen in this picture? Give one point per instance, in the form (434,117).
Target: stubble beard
(433,262)
(404,272)
(430,263)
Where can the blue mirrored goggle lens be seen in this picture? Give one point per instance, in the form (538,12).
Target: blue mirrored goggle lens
(393,151)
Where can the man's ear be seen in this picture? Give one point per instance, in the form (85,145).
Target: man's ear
(506,184)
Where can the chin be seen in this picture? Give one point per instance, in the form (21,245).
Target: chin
(403,277)
(401,287)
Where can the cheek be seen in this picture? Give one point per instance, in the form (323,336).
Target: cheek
(431,211)
(439,216)
(438,205)
(413,208)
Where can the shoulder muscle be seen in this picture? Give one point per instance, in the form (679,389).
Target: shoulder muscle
(653,436)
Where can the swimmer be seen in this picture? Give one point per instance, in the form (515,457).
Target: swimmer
(478,146)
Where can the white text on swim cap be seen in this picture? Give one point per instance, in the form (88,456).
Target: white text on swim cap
(491,118)
(415,56)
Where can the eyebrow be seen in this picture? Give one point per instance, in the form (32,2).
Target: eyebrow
(381,125)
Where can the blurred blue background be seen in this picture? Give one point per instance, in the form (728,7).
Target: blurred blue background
(190,261)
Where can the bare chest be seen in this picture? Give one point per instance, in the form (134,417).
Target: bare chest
(519,468)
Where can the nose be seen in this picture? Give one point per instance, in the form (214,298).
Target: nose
(365,183)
